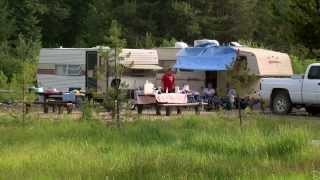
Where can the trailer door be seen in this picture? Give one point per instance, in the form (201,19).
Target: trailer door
(91,64)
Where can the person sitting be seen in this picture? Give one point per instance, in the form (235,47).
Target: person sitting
(168,81)
(186,89)
(209,92)
(231,93)
(208,95)
(193,96)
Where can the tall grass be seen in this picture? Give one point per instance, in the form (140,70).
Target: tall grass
(183,148)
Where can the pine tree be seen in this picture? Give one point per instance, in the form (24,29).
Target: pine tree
(115,95)
(240,78)
(7,27)
(149,41)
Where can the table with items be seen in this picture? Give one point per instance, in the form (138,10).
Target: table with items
(59,100)
(166,100)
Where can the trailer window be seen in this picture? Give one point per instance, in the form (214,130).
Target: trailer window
(61,69)
(74,70)
(314,72)
(68,70)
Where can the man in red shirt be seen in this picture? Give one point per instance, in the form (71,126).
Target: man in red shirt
(168,81)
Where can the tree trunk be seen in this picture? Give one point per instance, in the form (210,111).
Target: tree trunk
(118,114)
(117,109)
(23,95)
(107,72)
(239,111)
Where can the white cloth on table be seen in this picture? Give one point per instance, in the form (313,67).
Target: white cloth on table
(171,98)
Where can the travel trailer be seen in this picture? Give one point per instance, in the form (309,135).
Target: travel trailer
(213,61)
(261,62)
(65,68)
(69,68)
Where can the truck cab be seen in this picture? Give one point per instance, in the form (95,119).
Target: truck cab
(311,85)
(297,91)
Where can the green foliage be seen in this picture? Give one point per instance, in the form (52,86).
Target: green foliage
(149,41)
(115,96)
(251,44)
(113,38)
(3,80)
(3,86)
(288,25)
(191,147)
(87,111)
(305,20)
(240,78)
(18,67)
(300,65)
(6,22)
(168,43)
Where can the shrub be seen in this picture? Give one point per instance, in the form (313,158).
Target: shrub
(300,65)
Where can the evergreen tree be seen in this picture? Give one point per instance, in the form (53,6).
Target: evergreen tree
(7,27)
(53,23)
(149,41)
(304,17)
(26,14)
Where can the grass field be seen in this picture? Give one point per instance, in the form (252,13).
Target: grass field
(211,147)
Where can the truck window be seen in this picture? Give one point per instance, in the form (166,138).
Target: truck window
(314,72)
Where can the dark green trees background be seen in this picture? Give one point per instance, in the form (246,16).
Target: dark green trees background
(287,25)
(72,23)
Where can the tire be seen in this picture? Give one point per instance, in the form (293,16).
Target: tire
(281,103)
(313,110)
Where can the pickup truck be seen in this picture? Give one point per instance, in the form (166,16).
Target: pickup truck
(298,91)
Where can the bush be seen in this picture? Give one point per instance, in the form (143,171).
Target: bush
(300,65)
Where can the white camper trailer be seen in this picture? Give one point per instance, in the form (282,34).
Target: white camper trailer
(65,68)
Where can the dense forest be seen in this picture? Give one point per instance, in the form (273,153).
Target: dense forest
(292,26)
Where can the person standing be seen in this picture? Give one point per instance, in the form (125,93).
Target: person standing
(168,81)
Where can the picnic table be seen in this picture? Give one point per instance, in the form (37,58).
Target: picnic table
(166,100)
(55,100)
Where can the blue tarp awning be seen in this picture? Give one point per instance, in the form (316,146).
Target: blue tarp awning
(210,58)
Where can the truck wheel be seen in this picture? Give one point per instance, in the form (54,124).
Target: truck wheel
(312,110)
(281,103)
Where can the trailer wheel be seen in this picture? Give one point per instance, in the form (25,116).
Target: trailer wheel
(281,103)
(313,110)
